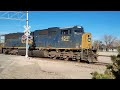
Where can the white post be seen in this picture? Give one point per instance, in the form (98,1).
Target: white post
(27,30)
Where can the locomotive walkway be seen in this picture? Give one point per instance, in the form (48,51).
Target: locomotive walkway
(19,67)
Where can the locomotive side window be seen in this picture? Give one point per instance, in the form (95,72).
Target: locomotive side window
(64,32)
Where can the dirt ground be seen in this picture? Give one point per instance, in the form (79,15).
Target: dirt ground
(19,67)
(108,53)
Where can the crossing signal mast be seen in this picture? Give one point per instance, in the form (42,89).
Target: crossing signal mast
(18,15)
(27,33)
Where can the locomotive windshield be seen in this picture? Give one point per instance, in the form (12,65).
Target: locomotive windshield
(78,31)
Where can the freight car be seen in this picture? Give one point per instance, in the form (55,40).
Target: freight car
(69,43)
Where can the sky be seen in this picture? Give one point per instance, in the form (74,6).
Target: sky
(98,23)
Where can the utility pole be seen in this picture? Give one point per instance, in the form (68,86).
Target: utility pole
(27,33)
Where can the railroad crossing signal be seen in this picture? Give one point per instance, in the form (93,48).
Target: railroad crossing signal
(24,38)
(30,37)
(27,31)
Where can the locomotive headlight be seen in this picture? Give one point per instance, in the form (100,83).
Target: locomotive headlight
(89,39)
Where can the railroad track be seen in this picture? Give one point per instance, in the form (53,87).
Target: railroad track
(92,66)
(105,55)
(73,61)
(85,64)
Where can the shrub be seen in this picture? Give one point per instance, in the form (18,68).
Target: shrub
(112,70)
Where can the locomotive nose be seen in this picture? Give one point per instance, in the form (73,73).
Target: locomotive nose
(86,41)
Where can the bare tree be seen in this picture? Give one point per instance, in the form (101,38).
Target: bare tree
(116,43)
(109,41)
(97,44)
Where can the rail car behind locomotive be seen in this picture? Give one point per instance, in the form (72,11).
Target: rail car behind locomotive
(69,43)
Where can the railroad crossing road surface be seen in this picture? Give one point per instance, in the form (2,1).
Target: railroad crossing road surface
(19,67)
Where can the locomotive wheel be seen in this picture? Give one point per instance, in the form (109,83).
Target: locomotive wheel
(0,50)
(90,59)
(5,51)
(54,57)
(61,58)
(78,60)
(66,59)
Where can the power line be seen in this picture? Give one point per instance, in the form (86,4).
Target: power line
(12,15)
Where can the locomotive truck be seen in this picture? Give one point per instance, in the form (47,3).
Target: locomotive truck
(69,43)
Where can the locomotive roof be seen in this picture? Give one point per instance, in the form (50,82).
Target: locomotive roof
(51,28)
(72,27)
(14,33)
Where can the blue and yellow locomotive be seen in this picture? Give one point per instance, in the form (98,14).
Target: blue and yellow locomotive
(69,43)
